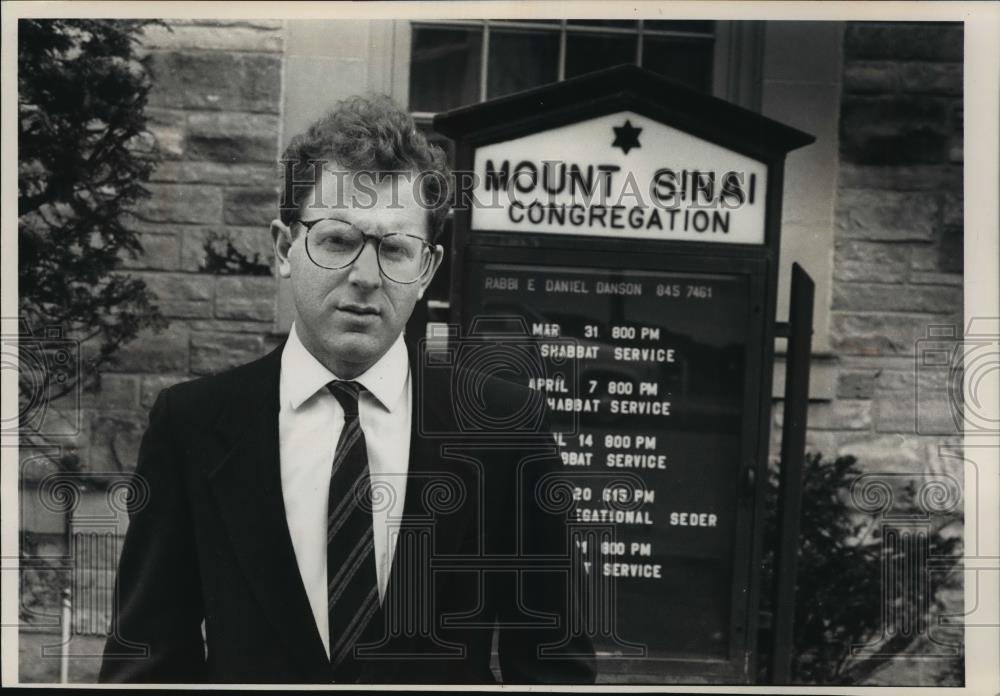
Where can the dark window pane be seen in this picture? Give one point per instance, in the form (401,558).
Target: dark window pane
(688,61)
(623,23)
(444,68)
(589,52)
(695,25)
(520,60)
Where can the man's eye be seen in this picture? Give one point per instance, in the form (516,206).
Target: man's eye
(333,236)
(396,250)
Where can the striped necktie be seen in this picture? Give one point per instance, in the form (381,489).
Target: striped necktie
(352,583)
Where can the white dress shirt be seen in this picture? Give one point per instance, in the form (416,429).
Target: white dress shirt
(309,425)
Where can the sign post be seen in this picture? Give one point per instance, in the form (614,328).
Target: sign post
(628,228)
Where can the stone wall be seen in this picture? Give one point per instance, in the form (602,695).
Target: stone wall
(897,296)
(897,257)
(898,252)
(215,110)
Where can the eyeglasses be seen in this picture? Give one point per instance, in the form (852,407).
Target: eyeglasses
(333,244)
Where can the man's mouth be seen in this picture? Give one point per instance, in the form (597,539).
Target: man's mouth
(360,310)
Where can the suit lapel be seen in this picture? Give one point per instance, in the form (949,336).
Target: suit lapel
(405,592)
(247,488)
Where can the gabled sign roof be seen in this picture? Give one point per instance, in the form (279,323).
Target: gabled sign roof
(622,87)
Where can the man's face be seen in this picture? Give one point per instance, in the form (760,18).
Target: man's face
(348,318)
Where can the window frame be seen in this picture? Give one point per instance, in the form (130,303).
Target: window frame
(736,56)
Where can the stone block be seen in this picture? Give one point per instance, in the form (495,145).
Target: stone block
(953,209)
(252,243)
(927,413)
(219,81)
(924,258)
(217,173)
(945,456)
(41,586)
(36,464)
(115,440)
(856,384)
(931,78)
(888,115)
(232,326)
(256,23)
(919,376)
(221,36)
(856,260)
(877,334)
(899,41)
(181,295)
(152,385)
(84,664)
(256,206)
(894,131)
(861,77)
(840,414)
(160,252)
(150,352)
(232,138)
(933,278)
(951,244)
(895,453)
(42,507)
(916,400)
(167,127)
(181,203)
(823,442)
(896,298)
(918,177)
(111,391)
(245,297)
(889,216)
(214,352)
(956,150)
(947,256)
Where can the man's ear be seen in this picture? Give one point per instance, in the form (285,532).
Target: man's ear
(429,276)
(282,236)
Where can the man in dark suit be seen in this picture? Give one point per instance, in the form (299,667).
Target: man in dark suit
(337,510)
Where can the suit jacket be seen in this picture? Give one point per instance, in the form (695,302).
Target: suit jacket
(208,547)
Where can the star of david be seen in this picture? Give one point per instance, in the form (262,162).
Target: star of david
(626,136)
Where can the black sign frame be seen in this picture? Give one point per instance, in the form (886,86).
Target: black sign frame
(629,88)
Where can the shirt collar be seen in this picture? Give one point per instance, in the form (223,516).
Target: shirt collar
(302,375)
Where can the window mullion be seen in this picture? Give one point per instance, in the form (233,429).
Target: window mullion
(561,72)
(638,45)
(484,61)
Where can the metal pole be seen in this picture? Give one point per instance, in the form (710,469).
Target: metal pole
(67,621)
(793,442)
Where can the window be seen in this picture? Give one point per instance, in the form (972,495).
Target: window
(456,63)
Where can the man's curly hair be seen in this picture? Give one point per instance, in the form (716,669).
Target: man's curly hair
(373,134)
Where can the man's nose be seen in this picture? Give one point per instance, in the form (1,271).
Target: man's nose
(365,270)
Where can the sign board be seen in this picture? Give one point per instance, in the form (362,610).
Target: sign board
(620,175)
(655,340)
